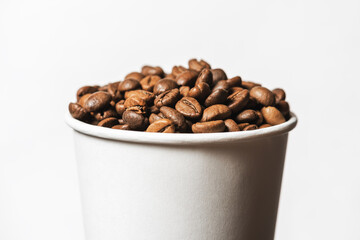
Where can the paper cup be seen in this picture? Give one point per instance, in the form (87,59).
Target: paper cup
(156,186)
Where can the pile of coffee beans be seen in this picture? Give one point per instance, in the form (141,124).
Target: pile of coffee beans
(197,99)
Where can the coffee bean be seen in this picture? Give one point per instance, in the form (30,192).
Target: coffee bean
(168,98)
(284,108)
(148,82)
(78,112)
(218,74)
(83,99)
(222,84)
(216,97)
(177,70)
(135,101)
(129,84)
(149,70)
(162,125)
(216,112)
(238,100)
(108,122)
(135,120)
(184,90)
(147,96)
(121,127)
(200,92)
(135,75)
(109,113)
(243,125)
(247,116)
(249,85)
(231,126)
(114,92)
(154,117)
(208,127)
(187,78)
(205,76)
(263,96)
(279,94)
(250,127)
(234,82)
(120,107)
(235,89)
(164,85)
(170,76)
(189,107)
(85,90)
(97,101)
(272,115)
(264,126)
(176,117)
(260,119)
(198,65)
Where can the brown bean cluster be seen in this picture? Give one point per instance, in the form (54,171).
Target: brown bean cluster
(197,99)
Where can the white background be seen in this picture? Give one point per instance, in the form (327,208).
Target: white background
(50,48)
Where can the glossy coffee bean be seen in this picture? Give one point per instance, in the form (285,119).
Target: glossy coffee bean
(148,82)
(97,101)
(147,96)
(205,76)
(263,96)
(222,84)
(247,116)
(109,113)
(243,125)
(83,99)
(164,85)
(129,84)
(249,85)
(184,90)
(162,126)
(250,127)
(135,120)
(78,112)
(279,94)
(135,75)
(231,125)
(238,100)
(121,127)
(216,112)
(266,125)
(168,98)
(189,107)
(284,108)
(154,117)
(260,119)
(177,70)
(170,76)
(120,107)
(200,92)
(85,90)
(208,127)
(234,82)
(218,96)
(114,92)
(149,70)
(218,74)
(196,65)
(135,101)
(272,115)
(154,109)
(176,117)
(235,89)
(187,78)
(108,122)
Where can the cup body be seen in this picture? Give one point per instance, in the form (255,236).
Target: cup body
(216,189)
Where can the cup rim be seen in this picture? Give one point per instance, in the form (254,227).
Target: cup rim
(178,138)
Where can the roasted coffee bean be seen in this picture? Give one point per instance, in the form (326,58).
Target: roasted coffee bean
(205,76)
(85,90)
(238,100)
(162,125)
(189,107)
(249,85)
(135,101)
(121,121)
(177,70)
(154,109)
(170,76)
(168,98)
(135,120)
(196,65)
(216,112)
(176,117)
(208,127)
(250,127)
(78,112)
(109,113)
(264,126)
(222,84)
(114,92)
(231,126)
(164,85)
(235,89)
(216,97)
(247,116)
(147,96)
(129,84)
(135,75)
(243,125)
(263,96)
(218,74)
(272,115)
(154,117)
(187,78)
(279,94)
(149,70)
(97,101)
(184,90)
(108,122)
(83,99)
(121,127)
(200,92)
(284,108)
(148,82)
(252,104)
(234,82)
(138,109)
(120,107)
(260,119)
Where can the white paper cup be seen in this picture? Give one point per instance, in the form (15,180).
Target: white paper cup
(156,186)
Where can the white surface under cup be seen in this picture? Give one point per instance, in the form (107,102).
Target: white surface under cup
(156,186)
